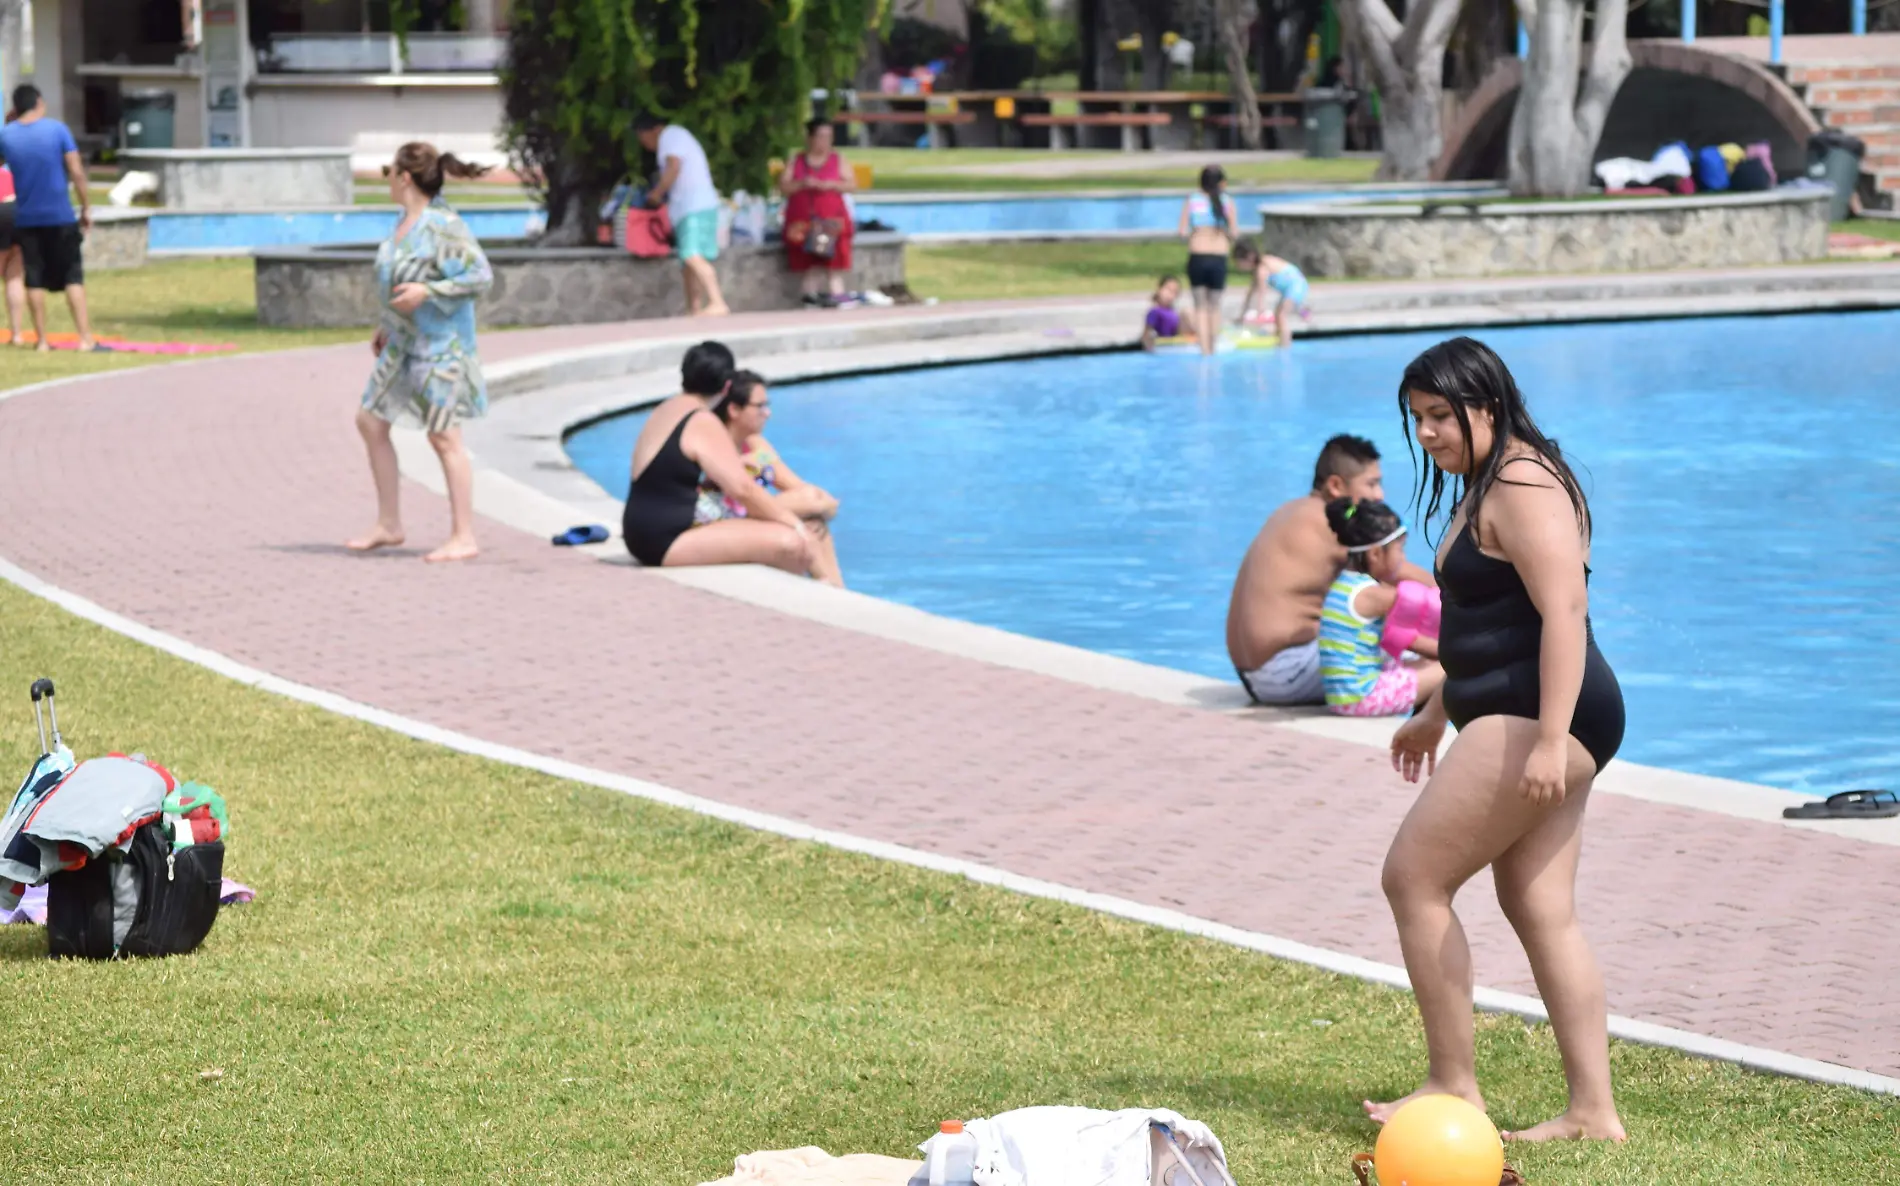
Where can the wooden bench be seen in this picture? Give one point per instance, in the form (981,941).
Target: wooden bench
(1267,122)
(930,121)
(1127,121)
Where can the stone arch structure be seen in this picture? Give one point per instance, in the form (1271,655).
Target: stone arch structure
(1674,92)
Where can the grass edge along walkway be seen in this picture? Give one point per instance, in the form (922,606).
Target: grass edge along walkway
(457,968)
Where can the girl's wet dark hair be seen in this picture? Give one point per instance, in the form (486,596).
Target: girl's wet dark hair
(738,395)
(1469,374)
(1211,178)
(813,124)
(1246,253)
(430,169)
(1360,525)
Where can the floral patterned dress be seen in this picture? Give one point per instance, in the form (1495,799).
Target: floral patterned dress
(428,373)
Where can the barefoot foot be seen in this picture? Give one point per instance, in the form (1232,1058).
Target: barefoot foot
(379,537)
(1380,1113)
(1574,1126)
(716,309)
(454,549)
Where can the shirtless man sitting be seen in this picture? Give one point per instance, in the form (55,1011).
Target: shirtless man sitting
(1273,618)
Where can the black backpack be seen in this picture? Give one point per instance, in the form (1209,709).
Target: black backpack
(156,900)
(151,899)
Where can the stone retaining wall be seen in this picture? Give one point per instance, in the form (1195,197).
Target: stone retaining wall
(246,178)
(1519,238)
(117,239)
(332,288)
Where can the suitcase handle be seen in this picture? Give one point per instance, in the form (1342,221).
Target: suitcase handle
(43,690)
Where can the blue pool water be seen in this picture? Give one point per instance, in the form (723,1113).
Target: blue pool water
(1072,212)
(238,230)
(1743,474)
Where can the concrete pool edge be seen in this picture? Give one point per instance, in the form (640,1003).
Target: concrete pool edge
(526,481)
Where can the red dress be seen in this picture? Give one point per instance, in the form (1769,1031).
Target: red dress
(807,204)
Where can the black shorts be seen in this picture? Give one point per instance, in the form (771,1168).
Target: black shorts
(1207,271)
(51,255)
(6,226)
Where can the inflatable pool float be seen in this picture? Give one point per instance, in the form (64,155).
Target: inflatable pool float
(1228,341)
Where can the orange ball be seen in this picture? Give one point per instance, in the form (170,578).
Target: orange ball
(1439,1140)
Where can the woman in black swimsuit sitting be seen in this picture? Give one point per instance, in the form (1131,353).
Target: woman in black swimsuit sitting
(680,440)
(1538,714)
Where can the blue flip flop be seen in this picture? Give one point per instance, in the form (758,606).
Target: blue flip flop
(592,533)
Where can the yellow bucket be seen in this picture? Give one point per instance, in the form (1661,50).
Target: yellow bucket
(1006,108)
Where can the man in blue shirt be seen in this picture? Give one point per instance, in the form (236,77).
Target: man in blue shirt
(44,160)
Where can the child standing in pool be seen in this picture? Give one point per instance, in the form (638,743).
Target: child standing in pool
(1164,321)
(1371,619)
(1210,224)
(1270,271)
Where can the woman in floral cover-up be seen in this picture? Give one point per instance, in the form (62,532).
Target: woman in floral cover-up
(428,275)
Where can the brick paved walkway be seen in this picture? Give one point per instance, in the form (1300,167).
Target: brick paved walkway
(207,500)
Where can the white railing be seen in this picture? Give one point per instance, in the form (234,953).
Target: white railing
(380,53)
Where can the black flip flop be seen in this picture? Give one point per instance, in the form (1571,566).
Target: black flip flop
(1848,805)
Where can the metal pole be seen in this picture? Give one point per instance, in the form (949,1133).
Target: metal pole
(1688,20)
(1860,18)
(1523,41)
(1776,18)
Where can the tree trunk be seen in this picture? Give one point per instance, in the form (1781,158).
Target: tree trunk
(573,211)
(1561,108)
(1407,61)
(1231,16)
(1412,120)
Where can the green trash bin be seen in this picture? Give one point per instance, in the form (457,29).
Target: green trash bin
(147,118)
(1834,157)
(1325,121)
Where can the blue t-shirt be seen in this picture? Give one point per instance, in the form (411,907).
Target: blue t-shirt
(36,153)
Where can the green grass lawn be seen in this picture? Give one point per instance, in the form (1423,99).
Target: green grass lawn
(1873,228)
(975,271)
(175,300)
(457,970)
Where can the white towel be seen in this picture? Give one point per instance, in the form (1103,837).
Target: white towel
(1060,1146)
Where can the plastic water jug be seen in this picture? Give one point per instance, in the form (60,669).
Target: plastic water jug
(949,1158)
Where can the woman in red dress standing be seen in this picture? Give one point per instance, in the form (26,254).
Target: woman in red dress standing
(817,219)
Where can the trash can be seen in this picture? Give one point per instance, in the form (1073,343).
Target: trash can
(147,117)
(1834,157)
(1325,121)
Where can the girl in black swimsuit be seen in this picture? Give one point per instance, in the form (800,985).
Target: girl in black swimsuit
(1538,713)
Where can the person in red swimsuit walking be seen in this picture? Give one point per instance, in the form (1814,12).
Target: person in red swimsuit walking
(817,218)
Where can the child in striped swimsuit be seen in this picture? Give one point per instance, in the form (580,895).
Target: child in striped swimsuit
(1372,620)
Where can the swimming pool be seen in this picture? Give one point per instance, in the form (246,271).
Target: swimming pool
(1742,471)
(1079,213)
(239,230)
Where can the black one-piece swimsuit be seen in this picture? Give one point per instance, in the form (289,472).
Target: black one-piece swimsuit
(1490,640)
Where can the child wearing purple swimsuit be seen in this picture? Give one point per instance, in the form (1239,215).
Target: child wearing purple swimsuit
(1163,320)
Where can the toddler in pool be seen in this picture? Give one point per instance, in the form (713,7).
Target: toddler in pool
(1164,321)
(1270,271)
(1371,619)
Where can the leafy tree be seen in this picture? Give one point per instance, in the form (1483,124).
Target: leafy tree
(737,73)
